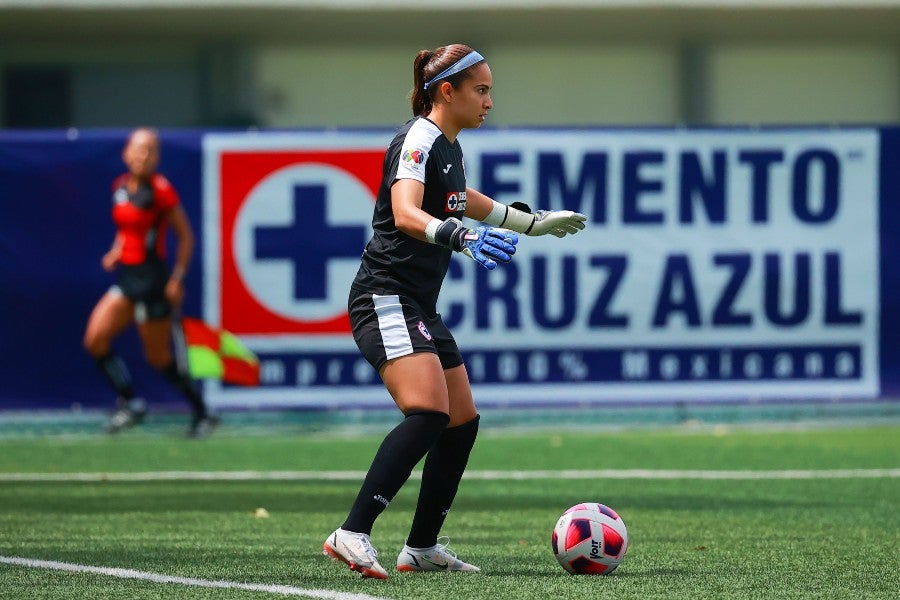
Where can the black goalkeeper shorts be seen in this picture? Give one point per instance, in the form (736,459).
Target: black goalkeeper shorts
(391,326)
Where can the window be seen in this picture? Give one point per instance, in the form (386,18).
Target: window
(37,96)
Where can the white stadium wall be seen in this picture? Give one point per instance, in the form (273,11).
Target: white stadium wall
(800,83)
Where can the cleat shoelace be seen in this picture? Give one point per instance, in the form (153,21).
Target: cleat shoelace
(367,547)
(443,546)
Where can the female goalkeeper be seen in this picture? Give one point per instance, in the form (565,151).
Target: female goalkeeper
(393,313)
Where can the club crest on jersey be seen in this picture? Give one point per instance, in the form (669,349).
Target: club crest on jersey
(414,156)
(456,201)
(424,331)
(120,196)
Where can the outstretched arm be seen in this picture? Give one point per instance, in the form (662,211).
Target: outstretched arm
(484,245)
(518,217)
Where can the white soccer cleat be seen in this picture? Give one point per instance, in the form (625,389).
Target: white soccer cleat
(438,558)
(129,413)
(355,550)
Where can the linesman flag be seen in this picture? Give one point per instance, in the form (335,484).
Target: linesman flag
(218,354)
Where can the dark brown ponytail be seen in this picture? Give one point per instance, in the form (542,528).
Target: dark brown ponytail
(421,99)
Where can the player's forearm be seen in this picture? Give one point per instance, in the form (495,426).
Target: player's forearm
(183,257)
(482,207)
(478,205)
(412,222)
(519,218)
(406,204)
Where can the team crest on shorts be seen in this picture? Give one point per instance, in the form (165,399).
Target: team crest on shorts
(424,331)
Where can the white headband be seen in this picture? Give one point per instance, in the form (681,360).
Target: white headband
(462,64)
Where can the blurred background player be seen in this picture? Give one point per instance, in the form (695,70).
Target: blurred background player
(393,310)
(144,205)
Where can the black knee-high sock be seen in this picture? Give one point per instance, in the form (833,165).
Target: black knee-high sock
(401,449)
(443,470)
(188,387)
(116,374)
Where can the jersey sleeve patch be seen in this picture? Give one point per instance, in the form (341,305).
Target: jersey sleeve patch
(412,164)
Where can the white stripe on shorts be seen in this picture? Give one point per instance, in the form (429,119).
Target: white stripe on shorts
(392,324)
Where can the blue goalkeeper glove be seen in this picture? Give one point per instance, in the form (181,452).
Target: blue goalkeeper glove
(485,245)
(488,245)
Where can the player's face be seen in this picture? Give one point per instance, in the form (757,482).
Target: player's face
(474,97)
(141,153)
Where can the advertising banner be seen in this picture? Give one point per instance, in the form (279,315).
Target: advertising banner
(716,265)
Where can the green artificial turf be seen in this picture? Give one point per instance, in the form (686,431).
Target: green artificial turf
(689,538)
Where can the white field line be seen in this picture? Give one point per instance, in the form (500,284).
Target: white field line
(284,590)
(474,474)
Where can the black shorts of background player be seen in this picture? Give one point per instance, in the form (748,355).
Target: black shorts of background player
(416,228)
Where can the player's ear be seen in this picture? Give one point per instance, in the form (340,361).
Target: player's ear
(446,90)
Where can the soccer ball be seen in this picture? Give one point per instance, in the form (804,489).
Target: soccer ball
(590,539)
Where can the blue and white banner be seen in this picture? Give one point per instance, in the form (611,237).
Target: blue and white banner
(715,265)
(732,264)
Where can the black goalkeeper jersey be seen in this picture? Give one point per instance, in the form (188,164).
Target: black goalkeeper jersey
(394,262)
